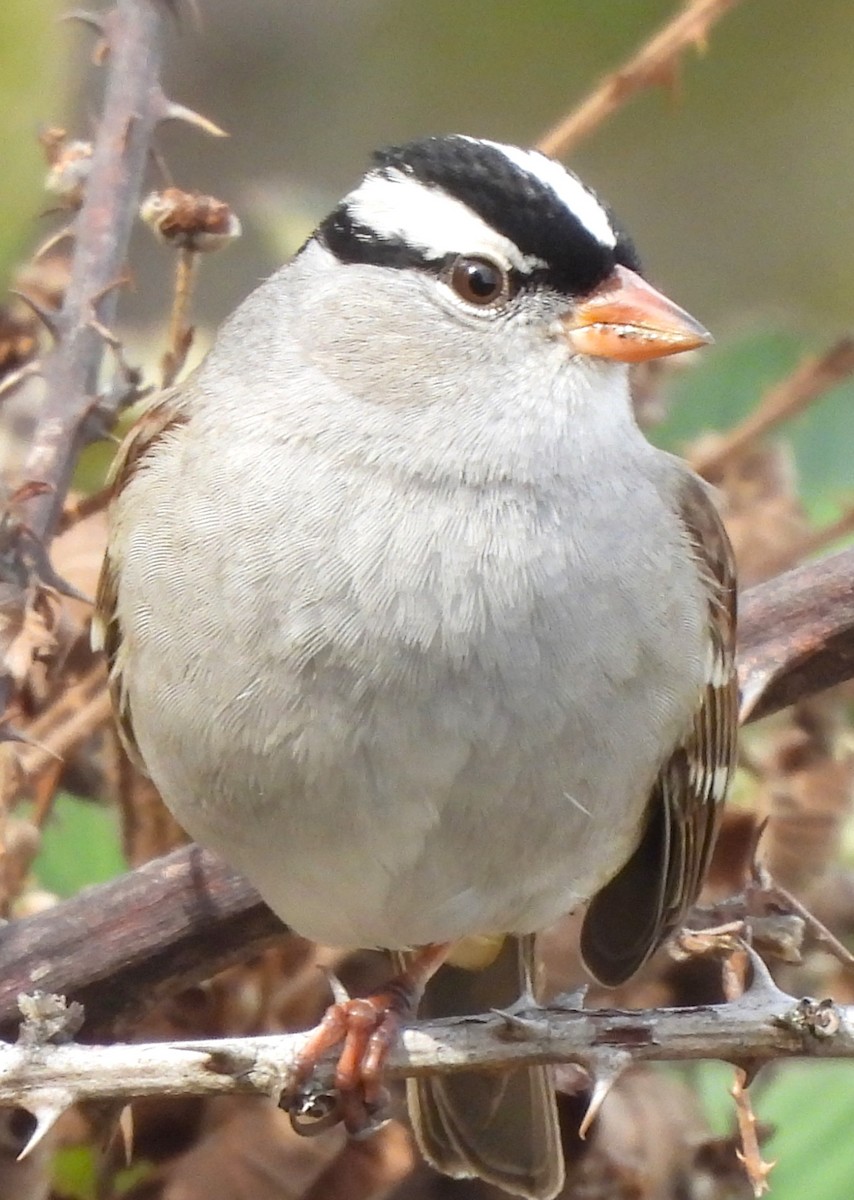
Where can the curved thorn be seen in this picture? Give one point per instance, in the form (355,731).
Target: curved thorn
(47,316)
(85,17)
(606,1067)
(54,240)
(168,110)
(518,1027)
(762,983)
(125,1130)
(15,378)
(47,1108)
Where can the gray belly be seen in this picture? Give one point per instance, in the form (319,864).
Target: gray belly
(431,805)
(420,738)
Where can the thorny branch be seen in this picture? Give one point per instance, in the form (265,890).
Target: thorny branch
(763,1023)
(655,64)
(133,105)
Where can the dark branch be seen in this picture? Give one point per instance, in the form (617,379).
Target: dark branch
(120,947)
(796,635)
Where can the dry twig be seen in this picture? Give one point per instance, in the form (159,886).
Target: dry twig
(656,64)
(811,378)
(819,539)
(750,1154)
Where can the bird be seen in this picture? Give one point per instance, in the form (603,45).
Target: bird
(409,621)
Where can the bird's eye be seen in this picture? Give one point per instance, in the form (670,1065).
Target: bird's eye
(478,281)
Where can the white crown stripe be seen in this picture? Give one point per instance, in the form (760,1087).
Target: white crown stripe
(397,206)
(569,189)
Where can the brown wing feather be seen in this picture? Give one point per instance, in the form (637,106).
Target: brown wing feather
(157,420)
(648,898)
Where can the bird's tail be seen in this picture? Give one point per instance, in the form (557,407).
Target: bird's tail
(501,1127)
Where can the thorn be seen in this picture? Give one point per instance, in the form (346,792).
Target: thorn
(571,1001)
(525,1004)
(125,1130)
(105,334)
(15,378)
(55,239)
(90,19)
(519,1028)
(101,25)
(123,280)
(47,1107)
(339,993)
(47,316)
(762,986)
(752,691)
(109,1121)
(234,1063)
(45,572)
(606,1068)
(168,110)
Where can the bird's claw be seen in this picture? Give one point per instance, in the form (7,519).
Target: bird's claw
(365,1030)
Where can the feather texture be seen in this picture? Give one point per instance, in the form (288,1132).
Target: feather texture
(647,899)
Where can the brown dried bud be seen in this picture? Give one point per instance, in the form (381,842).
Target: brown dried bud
(190,221)
(70,163)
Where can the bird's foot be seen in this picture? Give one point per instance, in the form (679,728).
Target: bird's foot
(366,1028)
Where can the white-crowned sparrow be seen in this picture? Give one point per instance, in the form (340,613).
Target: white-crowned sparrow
(410,622)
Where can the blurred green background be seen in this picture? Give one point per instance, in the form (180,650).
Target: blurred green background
(737,190)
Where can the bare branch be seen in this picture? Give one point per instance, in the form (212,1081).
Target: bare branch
(796,635)
(122,946)
(654,65)
(763,1024)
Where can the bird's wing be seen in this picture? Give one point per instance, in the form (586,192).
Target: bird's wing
(161,417)
(648,898)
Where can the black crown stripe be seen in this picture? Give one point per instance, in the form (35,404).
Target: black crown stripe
(514,202)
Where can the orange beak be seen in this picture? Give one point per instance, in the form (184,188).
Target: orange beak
(629,320)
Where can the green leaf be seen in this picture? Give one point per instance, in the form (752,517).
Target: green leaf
(74,1173)
(80,846)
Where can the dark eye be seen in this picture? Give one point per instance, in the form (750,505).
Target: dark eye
(478,281)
